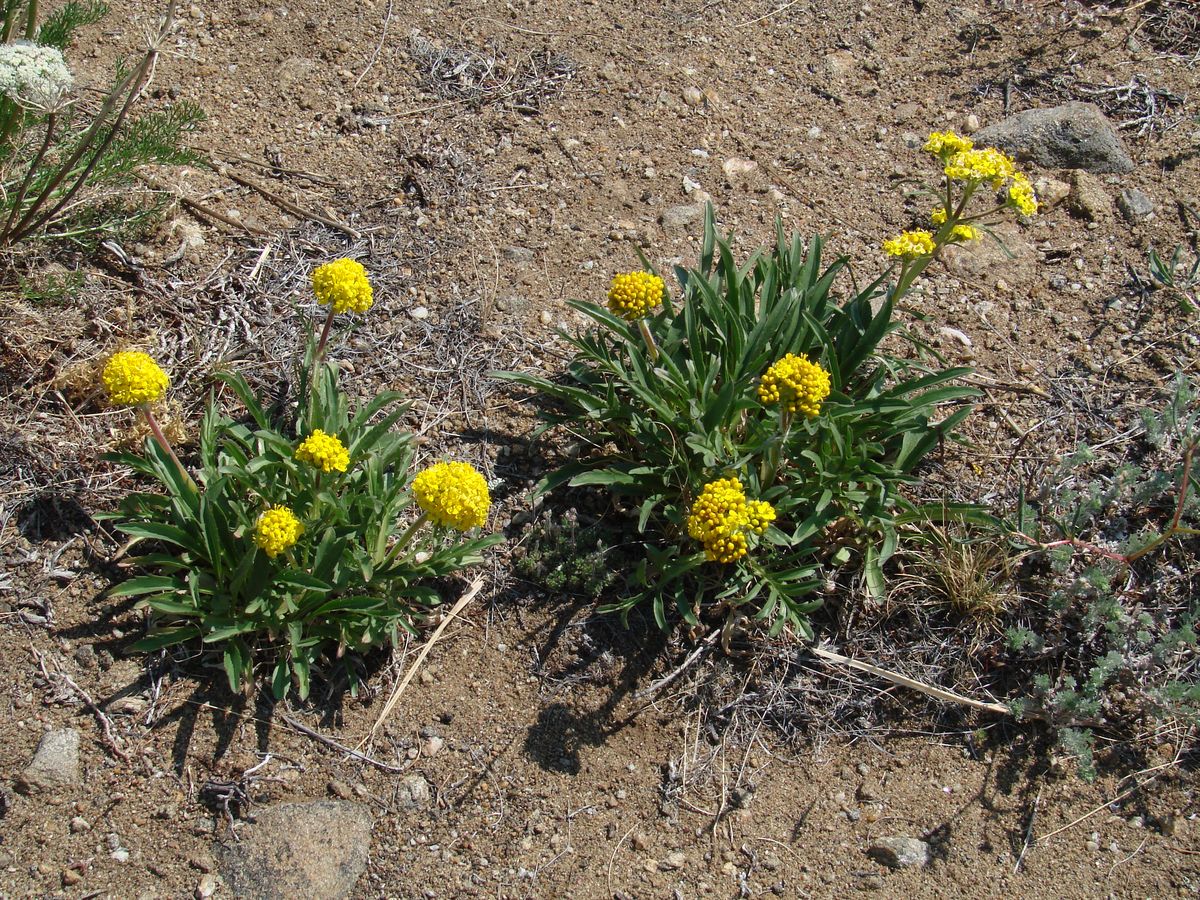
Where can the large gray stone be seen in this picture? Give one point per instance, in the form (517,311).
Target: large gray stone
(316,849)
(1071,136)
(55,763)
(899,852)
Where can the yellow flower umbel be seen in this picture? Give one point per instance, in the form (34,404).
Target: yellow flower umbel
(343,286)
(944,144)
(453,494)
(323,451)
(634,295)
(277,531)
(1021,196)
(988,166)
(910,245)
(132,378)
(796,384)
(721,516)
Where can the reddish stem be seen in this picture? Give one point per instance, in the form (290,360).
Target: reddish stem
(162,441)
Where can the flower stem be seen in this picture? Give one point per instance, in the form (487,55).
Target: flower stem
(405,539)
(774,455)
(324,339)
(651,345)
(161,440)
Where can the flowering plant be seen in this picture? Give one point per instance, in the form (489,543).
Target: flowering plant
(49,154)
(293,537)
(751,427)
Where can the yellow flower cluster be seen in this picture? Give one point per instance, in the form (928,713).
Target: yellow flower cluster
(1021,196)
(963,162)
(796,384)
(909,244)
(343,284)
(634,294)
(938,216)
(454,494)
(277,530)
(988,165)
(944,144)
(721,517)
(964,232)
(132,378)
(324,451)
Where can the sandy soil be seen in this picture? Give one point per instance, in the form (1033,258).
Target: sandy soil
(575,132)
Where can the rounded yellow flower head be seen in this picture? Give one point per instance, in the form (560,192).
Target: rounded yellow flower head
(1021,196)
(633,295)
(721,516)
(964,232)
(938,216)
(988,165)
(324,451)
(132,378)
(796,384)
(343,284)
(909,244)
(277,530)
(454,494)
(944,144)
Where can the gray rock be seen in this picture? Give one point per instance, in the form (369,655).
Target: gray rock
(682,216)
(55,762)
(899,852)
(1088,198)
(1135,205)
(413,792)
(313,849)
(1050,191)
(522,256)
(1071,136)
(1004,253)
(512,304)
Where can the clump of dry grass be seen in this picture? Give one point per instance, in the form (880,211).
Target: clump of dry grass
(1172,27)
(968,575)
(456,73)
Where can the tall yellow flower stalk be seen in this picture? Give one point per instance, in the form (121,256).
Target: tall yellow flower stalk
(633,296)
(343,286)
(133,378)
(967,170)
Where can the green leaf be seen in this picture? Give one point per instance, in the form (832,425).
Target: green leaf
(237,664)
(166,637)
(145,584)
(160,532)
(280,678)
(605,477)
(302,580)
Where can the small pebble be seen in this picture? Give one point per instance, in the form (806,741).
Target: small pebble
(207,886)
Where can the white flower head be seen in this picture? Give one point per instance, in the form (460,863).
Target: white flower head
(33,75)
